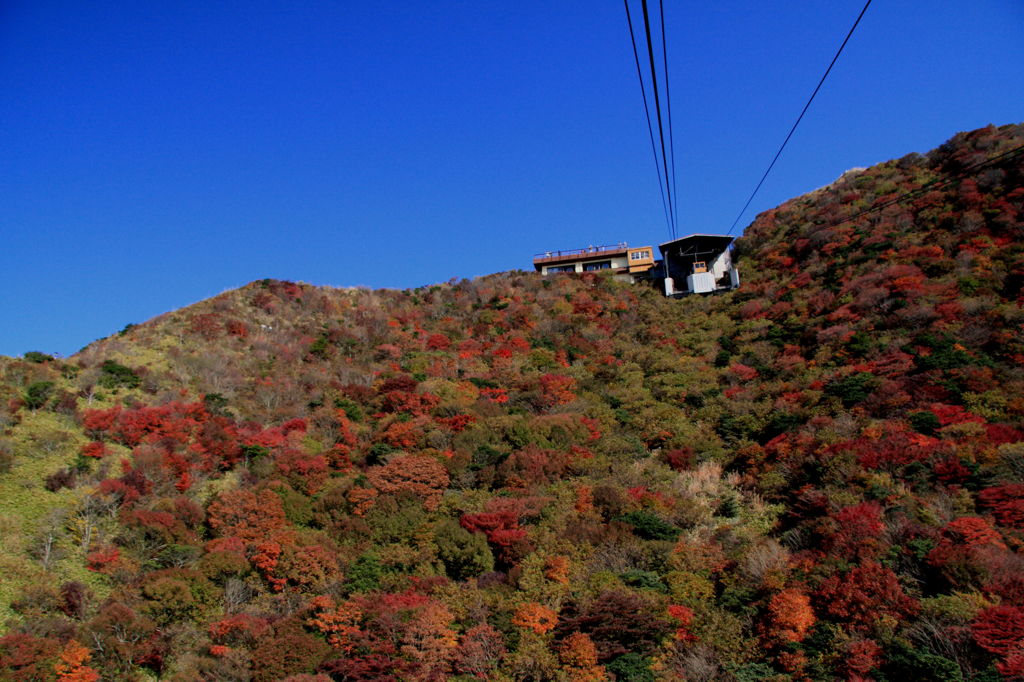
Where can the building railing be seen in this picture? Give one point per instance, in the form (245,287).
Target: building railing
(595,251)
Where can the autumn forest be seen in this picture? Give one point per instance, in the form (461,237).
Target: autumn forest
(817,476)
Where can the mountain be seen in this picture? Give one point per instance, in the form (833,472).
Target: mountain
(819,475)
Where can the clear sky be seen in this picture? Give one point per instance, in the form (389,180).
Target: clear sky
(155,154)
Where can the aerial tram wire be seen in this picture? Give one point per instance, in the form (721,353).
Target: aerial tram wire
(668,107)
(666,180)
(800,117)
(657,109)
(647,112)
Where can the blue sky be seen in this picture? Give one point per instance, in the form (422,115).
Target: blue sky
(155,154)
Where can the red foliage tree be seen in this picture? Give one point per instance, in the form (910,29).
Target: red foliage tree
(858,528)
(246,514)
(457,423)
(402,435)
(683,616)
(94,449)
(429,639)
(533,466)
(863,595)
(303,471)
(24,658)
(891,448)
(480,650)
(438,342)
(862,656)
(418,475)
(557,389)
(963,542)
(416,404)
(501,528)
(98,422)
(102,559)
(238,630)
(1006,502)
(999,629)
(266,556)
(308,566)
(1012,667)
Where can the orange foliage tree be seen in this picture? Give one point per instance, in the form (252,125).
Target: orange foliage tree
(578,655)
(790,615)
(338,623)
(556,569)
(534,616)
(72,665)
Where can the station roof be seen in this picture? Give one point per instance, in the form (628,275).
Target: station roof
(694,244)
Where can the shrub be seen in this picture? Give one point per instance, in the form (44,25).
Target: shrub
(37,394)
(364,573)
(632,667)
(74,599)
(281,656)
(854,388)
(925,422)
(352,410)
(114,375)
(645,580)
(6,455)
(62,478)
(649,526)
(464,554)
(318,348)
(860,344)
(216,404)
(618,622)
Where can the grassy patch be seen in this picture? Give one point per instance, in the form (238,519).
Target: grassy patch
(27,509)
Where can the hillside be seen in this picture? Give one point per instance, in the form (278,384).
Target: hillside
(817,476)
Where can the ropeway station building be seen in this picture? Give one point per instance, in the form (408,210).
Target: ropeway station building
(698,264)
(695,264)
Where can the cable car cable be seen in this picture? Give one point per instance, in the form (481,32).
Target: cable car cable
(657,109)
(668,108)
(800,118)
(647,111)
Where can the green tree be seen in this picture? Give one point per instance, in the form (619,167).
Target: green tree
(464,554)
(37,394)
(114,375)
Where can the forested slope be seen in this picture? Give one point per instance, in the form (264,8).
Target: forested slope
(816,476)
